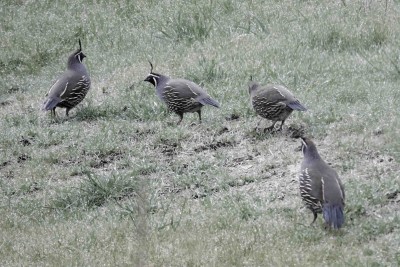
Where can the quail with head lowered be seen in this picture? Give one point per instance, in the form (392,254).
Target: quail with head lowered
(273,102)
(320,187)
(180,95)
(71,87)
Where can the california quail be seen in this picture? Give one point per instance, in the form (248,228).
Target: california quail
(273,102)
(180,95)
(71,87)
(320,187)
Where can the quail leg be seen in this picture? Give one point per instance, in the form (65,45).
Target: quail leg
(199,112)
(280,127)
(270,128)
(315,217)
(180,118)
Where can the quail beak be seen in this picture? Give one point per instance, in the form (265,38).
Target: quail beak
(148,79)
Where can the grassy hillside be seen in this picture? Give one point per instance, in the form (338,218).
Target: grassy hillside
(118,183)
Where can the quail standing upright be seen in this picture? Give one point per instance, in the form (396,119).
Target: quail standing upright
(273,102)
(180,95)
(71,87)
(320,187)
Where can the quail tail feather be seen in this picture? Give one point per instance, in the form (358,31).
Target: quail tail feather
(51,103)
(333,215)
(297,106)
(209,101)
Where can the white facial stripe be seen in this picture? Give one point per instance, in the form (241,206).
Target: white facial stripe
(79,56)
(303,142)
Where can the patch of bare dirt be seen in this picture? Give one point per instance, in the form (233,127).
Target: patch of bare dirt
(105,159)
(4,103)
(168,148)
(4,164)
(26,141)
(145,132)
(96,160)
(215,146)
(22,158)
(13,89)
(232,117)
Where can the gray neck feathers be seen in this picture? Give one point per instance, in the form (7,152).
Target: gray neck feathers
(75,65)
(73,62)
(253,86)
(161,81)
(311,152)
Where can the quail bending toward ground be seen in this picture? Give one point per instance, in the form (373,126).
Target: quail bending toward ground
(273,102)
(320,187)
(180,95)
(71,87)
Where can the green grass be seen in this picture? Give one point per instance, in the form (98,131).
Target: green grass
(118,183)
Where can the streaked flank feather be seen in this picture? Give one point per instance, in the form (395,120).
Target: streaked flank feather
(320,187)
(273,102)
(72,86)
(180,95)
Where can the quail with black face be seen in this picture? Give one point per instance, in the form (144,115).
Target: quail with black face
(180,95)
(71,87)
